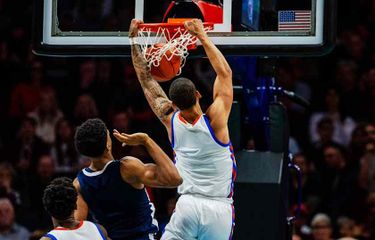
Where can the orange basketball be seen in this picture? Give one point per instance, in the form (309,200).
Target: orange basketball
(167,69)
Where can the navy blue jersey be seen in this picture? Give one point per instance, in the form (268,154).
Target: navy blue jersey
(125,212)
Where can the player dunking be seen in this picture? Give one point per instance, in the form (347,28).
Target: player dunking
(113,191)
(203,152)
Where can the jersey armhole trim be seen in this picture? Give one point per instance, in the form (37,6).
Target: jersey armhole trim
(50,236)
(213,133)
(100,231)
(172,128)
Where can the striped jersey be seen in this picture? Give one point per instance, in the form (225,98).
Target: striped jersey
(206,165)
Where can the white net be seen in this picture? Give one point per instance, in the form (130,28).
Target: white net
(163,43)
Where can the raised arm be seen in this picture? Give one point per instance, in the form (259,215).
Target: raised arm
(219,111)
(155,95)
(161,174)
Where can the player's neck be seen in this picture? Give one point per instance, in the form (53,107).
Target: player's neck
(191,114)
(67,223)
(99,163)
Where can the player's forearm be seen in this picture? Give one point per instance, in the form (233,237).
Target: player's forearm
(156,97)
(166,167)
(217,60)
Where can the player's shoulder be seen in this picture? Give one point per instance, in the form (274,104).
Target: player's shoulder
(129,165)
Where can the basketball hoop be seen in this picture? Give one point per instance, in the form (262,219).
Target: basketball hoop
(167,40)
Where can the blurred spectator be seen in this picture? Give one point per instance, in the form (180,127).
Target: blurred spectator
(103,89)
(321,227)
(9,229)
(7,174)
(367,167)
(346,227)
(325,131)
(367,86)
(370,130)
(46,116)
(25,96)
(310,184)
(370,221)
(339,188)
(343,125)
(28,147)
(45,172)
(301,225)
(63,150)
(120,122)
(359,139)
(87,73)
(347,81)
(85,108)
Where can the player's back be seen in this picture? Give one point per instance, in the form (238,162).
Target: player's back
(124,211)
(84,231)
(206,165)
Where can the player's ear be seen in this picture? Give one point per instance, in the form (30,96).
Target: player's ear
(198,94)
(109,142)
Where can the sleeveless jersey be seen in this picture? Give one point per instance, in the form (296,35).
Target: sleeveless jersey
(84,231)
(125,212)
(206,165)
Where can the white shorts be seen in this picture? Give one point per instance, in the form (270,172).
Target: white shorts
(200,218)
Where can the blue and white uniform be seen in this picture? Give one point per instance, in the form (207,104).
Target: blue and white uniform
(208,169)
(125,212)
(84,231)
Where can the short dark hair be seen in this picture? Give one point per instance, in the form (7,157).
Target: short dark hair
(91,138)
(60,198)
(182,93)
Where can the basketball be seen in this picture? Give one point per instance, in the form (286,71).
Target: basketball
(167,69)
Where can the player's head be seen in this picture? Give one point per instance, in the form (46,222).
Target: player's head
(92,138)
(183,93)
(59,198)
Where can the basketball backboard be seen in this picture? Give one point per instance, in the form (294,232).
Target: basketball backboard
(241,27)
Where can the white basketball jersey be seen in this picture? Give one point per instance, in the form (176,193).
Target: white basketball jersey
(207,166)
(84,231)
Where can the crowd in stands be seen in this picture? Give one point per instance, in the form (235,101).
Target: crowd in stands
(43,100)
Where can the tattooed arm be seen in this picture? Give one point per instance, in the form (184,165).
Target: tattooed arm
(155,95)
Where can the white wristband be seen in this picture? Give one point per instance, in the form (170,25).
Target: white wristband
(133,40)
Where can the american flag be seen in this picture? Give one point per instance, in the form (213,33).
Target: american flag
(294,20)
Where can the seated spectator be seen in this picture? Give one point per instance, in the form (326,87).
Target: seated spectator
(321,227)
(6,183)
(63,150)
(24,153)
(358,141)
(46,116)
(120,122)
(367,168)
(9,229)
(367,94)
(370,130)
(342,125)
(85,109)
(310,184)
(346,227)
(325,129)
(339,188)
(45,172)
(25,96)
